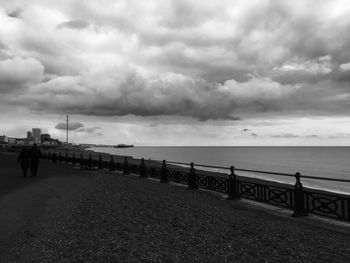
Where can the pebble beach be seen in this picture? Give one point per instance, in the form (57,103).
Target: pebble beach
(73,215)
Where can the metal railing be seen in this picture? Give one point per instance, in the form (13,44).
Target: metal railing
(295,197)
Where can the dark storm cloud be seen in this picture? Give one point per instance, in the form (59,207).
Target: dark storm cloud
(167,95)
(71,126)
(74,24)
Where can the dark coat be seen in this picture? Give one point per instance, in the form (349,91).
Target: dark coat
(34,156)
(23,158)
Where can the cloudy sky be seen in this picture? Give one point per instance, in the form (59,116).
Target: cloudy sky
(177,72)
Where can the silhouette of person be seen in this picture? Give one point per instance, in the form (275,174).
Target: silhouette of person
(34,160)
(23,159)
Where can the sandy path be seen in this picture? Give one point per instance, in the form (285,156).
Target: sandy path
(23,202)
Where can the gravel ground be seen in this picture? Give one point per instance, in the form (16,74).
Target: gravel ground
(120,218)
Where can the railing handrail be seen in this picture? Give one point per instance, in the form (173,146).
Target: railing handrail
(261,172)
(267,172)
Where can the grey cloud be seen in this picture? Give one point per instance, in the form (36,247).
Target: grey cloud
(89,130)
(171,94)
(339,135)
(18,73)
(245,130)
(71,126)
(74,24)
(254,135)
(286,33)
(3,46)
(15,13)
(291,135)
(266,58)
(285,135)
(178,95)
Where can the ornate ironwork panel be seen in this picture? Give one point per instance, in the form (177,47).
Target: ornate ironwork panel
(274,195)
(176,176)
(153,172)
(248,190)
(334,206)
(119,166)
(183,178)
(173,175)
(202,181)
(220,185)
(278,196)
(134,169)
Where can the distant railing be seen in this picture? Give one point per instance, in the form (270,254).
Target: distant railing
(295,197)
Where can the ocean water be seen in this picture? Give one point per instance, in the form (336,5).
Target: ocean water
(331,162)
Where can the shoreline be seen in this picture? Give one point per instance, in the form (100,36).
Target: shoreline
(319,185)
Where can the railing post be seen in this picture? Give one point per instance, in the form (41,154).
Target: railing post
(66,160)
(299,202)
(232,185)
(126,169)
(89,162)
(60,157)
(73,159)
(164,173)
(54,157)
(192,178)
(111,164)
(100,162)
(143,170)
(49,156)
(81,161)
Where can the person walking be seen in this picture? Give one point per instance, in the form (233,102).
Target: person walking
(34,160)
(23,159)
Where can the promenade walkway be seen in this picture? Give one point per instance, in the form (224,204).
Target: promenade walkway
(87,216)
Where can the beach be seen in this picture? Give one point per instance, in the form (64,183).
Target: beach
(71,215)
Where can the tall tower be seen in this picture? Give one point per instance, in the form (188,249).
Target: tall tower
(67,131)
(36,133)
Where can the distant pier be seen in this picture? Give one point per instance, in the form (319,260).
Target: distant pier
(89,145)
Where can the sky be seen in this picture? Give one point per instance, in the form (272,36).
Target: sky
(177,72)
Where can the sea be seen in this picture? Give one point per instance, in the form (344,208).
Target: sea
(327,162)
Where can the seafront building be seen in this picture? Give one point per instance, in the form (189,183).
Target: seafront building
(29,135)
(4,139)
(34,136)
(36,133)
(45,137)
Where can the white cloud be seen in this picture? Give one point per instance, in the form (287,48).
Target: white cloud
(345,67)
(321,65)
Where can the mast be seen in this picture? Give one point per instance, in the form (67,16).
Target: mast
(67,130)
